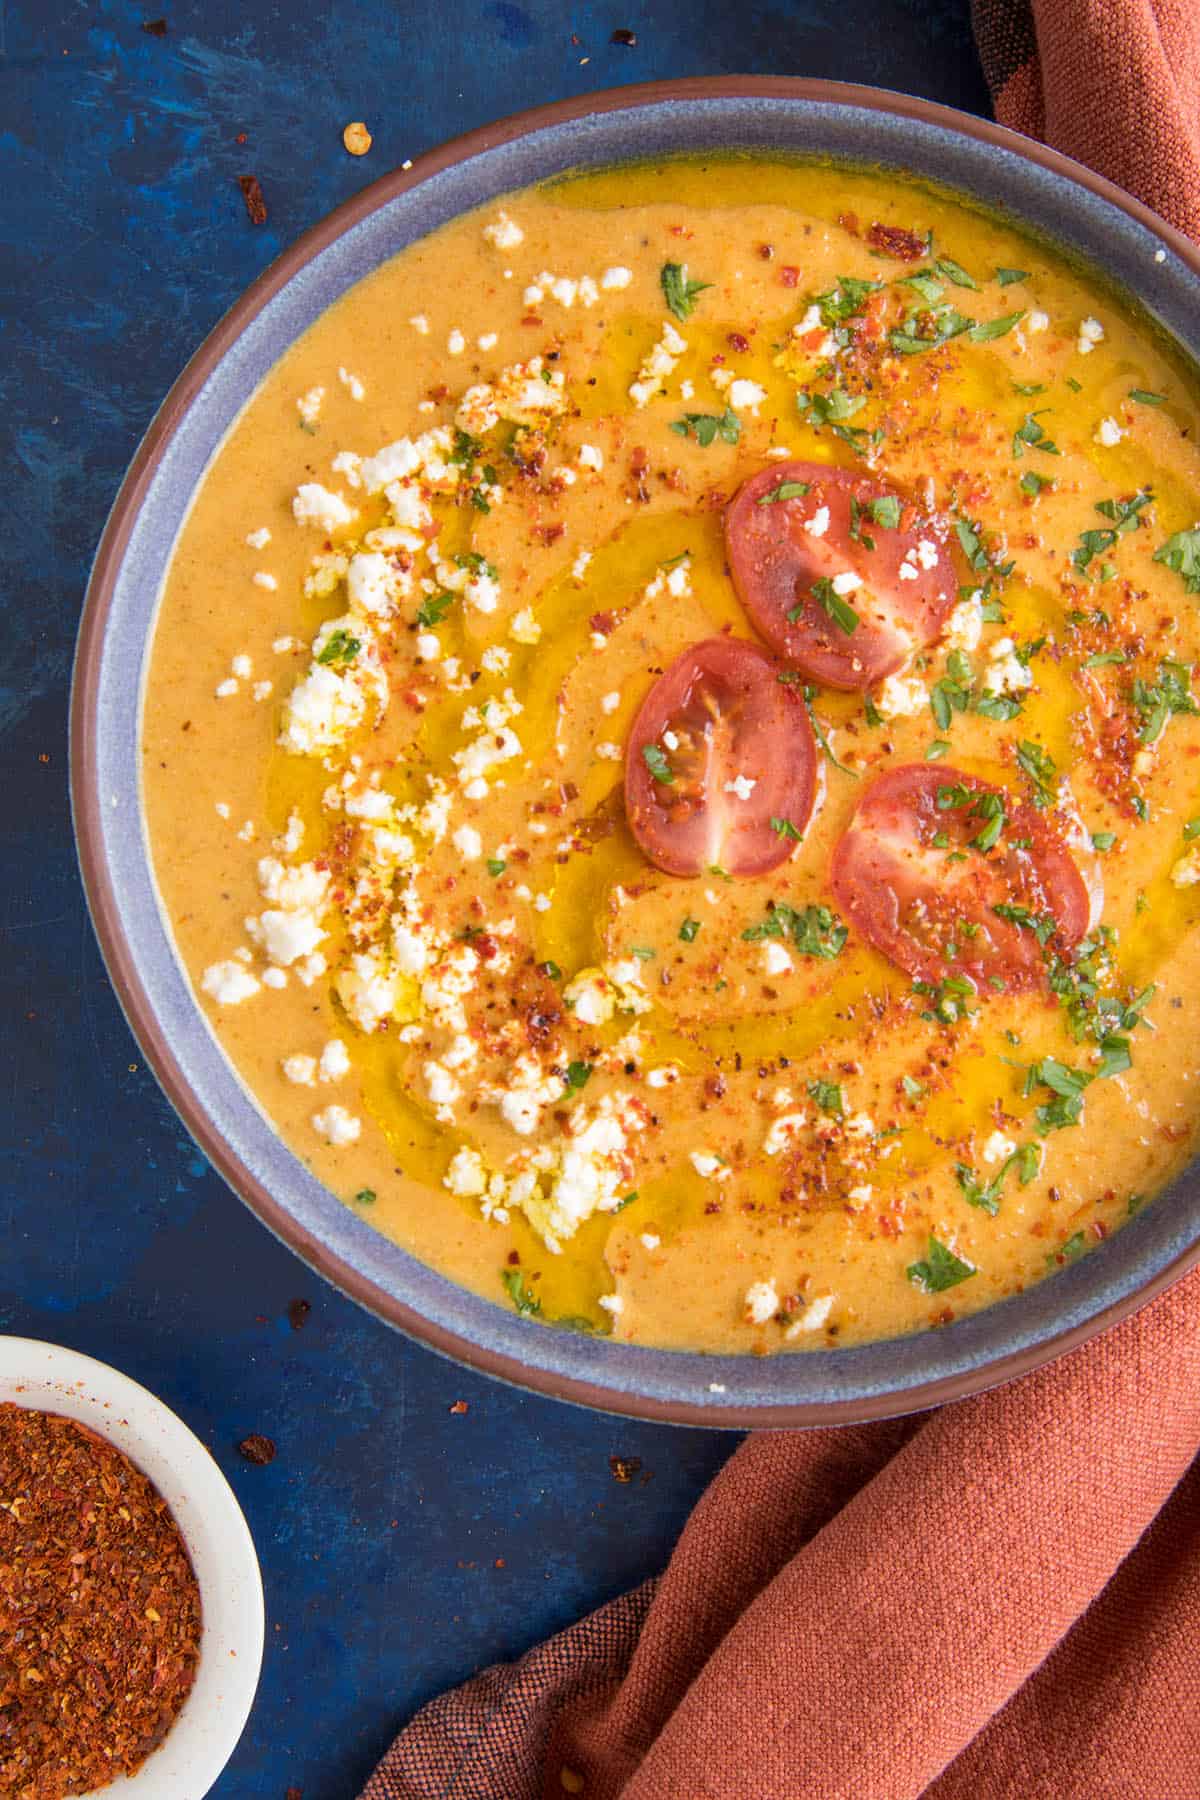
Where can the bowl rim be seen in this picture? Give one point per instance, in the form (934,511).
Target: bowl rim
(87,808)
(53,1378)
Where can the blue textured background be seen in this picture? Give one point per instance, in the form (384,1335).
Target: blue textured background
(403,1546)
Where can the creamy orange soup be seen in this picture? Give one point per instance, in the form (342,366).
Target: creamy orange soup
(829,990)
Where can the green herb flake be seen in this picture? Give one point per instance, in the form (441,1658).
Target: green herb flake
(706,427)
(1006,277)
(679,293)
(1144,397)
(937,750)
(833,605)
(913,1090)
(1041,769)
(577,1076)
(339,647)
(522,1296)
(656,761)
(365,1197)
(787,490)
(1031,435)
(1074,1247)
(785,829)
(945,265)
(828,1096)
(1033,483)
(1103,841)
(689,930)
(885,510)
(812,930)
(1181,552)
(990,329)
(496,867)
(940,1269)
(434,609)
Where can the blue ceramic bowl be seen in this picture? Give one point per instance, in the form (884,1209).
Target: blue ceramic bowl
(1123,242)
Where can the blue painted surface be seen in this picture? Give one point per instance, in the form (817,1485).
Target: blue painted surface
(122,239)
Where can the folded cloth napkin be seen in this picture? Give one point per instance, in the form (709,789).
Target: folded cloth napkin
(998,1600)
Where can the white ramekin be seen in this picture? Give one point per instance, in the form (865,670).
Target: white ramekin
(49,1378)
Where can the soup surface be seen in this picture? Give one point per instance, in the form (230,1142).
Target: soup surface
(670,754)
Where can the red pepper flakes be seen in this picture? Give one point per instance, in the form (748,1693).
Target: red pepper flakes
(99,1610)
(252,194)
(624,1468)
(789,276)
(257,1449)
(297,1312)
(459,1406)
(893,240)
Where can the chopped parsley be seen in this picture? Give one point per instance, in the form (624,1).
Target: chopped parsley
(820,734)
(937,750)
(520,1293)
(845,300)
(550,970)
(945,265)
(1041,769)
(577,1076)
(928,330)
(1181,552)
(1103,841)
(1026,1160)
(1066,1085)
(679,293)
(341,646)
(785,829)
(885,510)
(994,328)
(787,490)
(833,605)
(1067,1252)
(828,1096)
(365,1197)
(1124,516)
(1033,483)
(656,761)
(948,999)
(813,930)
(1159,701)
(1030,434)
(705,427)
(1006,277)
(833,408)
(496,867)
(688,930)
(1145,398)
(939,1269)
(434,609)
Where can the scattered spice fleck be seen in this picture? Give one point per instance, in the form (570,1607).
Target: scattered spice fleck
(622,35)
(154,27)
(257,1449)
(100,1611)
(624,1468)
(252,194)
(297,1312)
(357,138)
(460,1406)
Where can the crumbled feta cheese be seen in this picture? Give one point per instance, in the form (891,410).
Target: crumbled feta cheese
(523,627)
(783,1132)
(309,405)
(612,1303)
(352,384)
(262,690)
(366,988)
(705,1163)
(650,1240)
(610,702)
(908,570)
(504,233)
(527,1091)
(1091,333)
(224,690)
(229,983)
(590,996)
(1038,321)
(242,667)
(927,553)
(965,624)
(313,504)
(1108,433)
(468,843)
(616,278)
(846,583)
(590,457)
(337,1126)
(776,960)
(762,1302)
(320,711)
(456,343)
(371,583)
(428,646)
(302,1070)
(222,809)
(420,324)
(607,751)
(997,1148)
(1186,872)
(818,524)
(263,579)
(741,785)
(1006,673)
(901,696)
(746,396)
(466,1176)
(661,1077)
(859,1125)
(812,1318)
(258,540)
(335,1061)
(444,1088)
(488,341)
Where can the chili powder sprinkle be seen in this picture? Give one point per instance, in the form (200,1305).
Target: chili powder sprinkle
(99,1610)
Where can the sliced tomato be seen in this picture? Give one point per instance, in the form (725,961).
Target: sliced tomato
(835,589)
(929,855)
(721,765)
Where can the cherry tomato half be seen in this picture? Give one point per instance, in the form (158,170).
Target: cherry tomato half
(720,769)
(930,854)
(843,576)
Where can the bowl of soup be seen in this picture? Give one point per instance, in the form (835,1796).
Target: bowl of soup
(635,751)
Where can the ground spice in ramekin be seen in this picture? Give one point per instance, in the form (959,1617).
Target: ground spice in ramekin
(99,1610)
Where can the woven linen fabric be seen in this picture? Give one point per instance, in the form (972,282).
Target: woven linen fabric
(998,1601)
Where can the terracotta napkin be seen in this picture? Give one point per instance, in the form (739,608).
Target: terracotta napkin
(998,1600)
